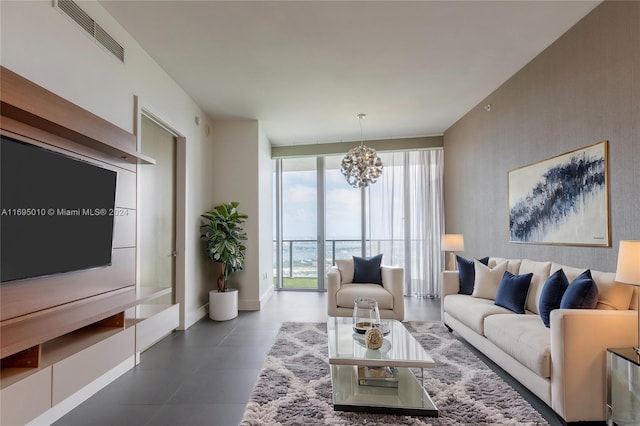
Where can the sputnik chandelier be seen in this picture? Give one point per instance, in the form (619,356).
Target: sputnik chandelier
(361,166)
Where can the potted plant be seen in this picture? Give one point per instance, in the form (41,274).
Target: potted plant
(224,244)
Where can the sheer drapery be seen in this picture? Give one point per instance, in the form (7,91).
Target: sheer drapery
(405,217)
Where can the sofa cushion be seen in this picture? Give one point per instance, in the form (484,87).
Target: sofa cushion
(512,291)
(487,280)
(551,296)
(513,265)
(582,293)
(467,274)
(611,294)
(540,271)
(348,293)
(471,311)
(523,337)
(345,266)
(367,270)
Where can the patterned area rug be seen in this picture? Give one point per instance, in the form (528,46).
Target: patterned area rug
(294,386)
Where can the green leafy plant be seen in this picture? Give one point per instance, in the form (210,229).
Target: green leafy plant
(224,239)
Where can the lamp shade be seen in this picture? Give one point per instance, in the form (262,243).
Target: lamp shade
(452,242)
(628,270)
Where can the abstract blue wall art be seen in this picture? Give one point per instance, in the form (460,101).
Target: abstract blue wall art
(561,200)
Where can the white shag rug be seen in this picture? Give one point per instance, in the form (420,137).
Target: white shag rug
(294,386)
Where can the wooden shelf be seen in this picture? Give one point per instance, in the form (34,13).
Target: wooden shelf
(58,349)
(25,101)
(37,328)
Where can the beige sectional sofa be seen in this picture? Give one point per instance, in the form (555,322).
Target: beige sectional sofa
(564,365)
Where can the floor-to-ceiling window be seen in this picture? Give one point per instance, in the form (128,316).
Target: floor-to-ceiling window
(405,214)
(299,223)
(343,215)
(320,218)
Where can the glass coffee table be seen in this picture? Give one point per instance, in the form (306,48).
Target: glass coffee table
(381,380)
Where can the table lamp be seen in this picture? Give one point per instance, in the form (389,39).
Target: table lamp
(452,243)
(628,272)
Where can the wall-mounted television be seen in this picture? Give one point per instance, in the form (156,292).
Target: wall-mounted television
(56,212)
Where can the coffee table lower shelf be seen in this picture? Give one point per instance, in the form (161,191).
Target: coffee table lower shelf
(409,398)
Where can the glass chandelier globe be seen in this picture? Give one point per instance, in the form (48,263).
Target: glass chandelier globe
(361,166)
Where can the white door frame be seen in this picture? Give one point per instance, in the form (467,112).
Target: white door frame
(141,109)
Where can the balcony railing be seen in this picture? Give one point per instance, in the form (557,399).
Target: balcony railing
(300,257)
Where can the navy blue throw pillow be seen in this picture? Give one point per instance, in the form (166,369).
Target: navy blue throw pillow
(551,295)
(582,293)
(367,270)
(467,273)
(512,292)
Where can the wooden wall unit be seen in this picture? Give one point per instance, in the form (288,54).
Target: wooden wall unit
(33,114)
(29,103)
(66,336)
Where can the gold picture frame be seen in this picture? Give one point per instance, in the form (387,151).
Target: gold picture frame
(561,200)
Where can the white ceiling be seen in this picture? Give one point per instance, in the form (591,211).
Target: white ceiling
(304,69)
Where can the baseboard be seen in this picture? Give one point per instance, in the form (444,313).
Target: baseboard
(71,402)
(249,305)
(243,305)
(266,296)
(193,317)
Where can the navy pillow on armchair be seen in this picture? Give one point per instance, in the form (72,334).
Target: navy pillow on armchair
(367,270)
(467,273)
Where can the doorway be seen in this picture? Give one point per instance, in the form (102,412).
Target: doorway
(157,227)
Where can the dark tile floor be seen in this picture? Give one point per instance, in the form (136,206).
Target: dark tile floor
(203,376)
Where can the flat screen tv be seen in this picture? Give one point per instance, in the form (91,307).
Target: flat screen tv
(56,212)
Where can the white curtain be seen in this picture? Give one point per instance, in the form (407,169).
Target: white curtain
(405,217)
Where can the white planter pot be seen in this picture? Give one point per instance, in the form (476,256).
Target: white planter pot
(223,306)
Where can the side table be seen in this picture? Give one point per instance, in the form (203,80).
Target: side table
(623,387)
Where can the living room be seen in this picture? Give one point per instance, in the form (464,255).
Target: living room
(580,90)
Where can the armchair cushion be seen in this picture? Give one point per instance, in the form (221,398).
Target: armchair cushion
(367,270)
(345,266)
(348,294)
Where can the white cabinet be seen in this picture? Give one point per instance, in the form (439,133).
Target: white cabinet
(72,374)
(74,366)
(24,398)
(155,322)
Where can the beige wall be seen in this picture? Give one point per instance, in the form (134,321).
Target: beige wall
(582,89)
(40,44)
(242,172)
(266,234)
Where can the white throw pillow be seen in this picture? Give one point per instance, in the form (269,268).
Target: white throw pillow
(487,280)
(346,270)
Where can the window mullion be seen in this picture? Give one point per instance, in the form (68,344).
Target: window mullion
(278,229)
(320,215)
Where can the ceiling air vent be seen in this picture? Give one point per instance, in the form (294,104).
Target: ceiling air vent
(95,31)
